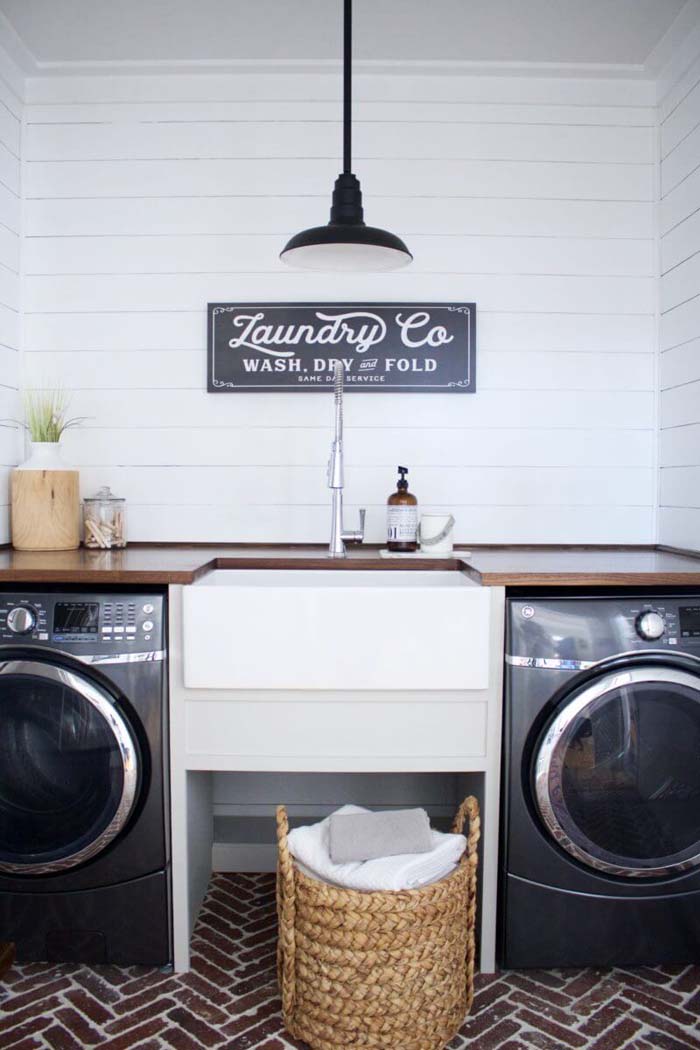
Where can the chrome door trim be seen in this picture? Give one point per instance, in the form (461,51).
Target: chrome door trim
(121,658)
(549,663)
(549,761)
(104,705)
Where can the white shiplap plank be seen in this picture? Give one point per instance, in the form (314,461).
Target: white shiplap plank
(9,326)
(286,486)
(9,170)
(682,242)
(253,86)
(680,365)
(195,408)
(681,283)
(10,209)
(9,288)
(679,203)
(682,162)
(446,110)
(10,127)
(681,324)
(260,252)
(277,139)
(9,249)
(494,524)
(496,446)
(680,405)
(680,527)
(516,293)
(196,216)
(10,87)
(680,488)
(250,177)
(9,366)
(679,446)
(8,412)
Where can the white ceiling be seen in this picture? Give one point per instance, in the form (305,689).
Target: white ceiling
(57,33)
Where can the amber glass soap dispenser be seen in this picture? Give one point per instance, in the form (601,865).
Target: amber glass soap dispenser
(402,517)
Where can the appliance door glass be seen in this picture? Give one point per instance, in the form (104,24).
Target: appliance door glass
(617,772)
(68,768)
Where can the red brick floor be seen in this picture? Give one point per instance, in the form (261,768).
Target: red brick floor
(229,999)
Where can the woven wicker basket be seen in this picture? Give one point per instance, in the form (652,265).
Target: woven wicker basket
(390,970)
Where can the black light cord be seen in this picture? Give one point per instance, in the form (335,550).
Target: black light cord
(347,88)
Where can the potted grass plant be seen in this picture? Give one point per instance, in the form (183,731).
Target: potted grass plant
(45,492)
(46,420)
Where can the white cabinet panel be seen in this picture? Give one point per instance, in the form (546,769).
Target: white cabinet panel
(249,735)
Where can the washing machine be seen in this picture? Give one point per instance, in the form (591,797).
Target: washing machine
(600,844)
(84,848)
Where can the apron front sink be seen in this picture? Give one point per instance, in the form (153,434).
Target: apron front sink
(335,630)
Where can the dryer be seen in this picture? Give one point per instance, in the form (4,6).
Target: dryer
(600,857)
(84,853)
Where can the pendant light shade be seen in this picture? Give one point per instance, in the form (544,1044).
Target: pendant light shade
(346,243)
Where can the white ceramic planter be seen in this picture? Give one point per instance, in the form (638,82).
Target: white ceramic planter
(44,455)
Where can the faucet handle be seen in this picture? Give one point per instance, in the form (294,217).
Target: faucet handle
(357,535)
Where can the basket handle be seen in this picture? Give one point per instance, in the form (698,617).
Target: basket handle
(470,808)
(286,910)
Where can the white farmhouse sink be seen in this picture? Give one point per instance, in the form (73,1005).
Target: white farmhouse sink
(335,629)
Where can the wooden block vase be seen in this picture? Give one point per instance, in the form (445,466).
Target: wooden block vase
(45,498)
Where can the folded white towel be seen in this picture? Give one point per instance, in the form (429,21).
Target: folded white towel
(311,847)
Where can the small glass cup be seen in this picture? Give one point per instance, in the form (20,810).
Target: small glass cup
(104,520)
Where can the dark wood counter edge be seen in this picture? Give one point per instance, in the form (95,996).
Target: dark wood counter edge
(587,579)
(187,576)
(498,578)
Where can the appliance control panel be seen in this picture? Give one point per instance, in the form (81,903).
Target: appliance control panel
(108,623)
(573,632)
(665,623)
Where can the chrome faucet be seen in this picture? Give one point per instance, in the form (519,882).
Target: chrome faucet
(339,536)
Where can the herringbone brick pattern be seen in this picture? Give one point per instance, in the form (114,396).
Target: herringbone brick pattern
(229,999)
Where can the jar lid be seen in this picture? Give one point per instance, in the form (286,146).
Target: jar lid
(105,495)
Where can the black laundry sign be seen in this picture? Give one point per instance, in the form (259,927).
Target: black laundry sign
(383,346)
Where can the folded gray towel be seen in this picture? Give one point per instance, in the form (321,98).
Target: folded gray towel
(366,836)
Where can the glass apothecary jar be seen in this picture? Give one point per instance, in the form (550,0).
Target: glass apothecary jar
(104,520)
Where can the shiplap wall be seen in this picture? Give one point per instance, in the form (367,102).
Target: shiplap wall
(679,336)
(10,218)
(147,197)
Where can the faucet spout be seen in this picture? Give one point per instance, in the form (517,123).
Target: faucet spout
(339,535)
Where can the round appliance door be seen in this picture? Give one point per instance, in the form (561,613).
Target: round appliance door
(617,772)
(69,768)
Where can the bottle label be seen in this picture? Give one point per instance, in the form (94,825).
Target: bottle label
(402,524)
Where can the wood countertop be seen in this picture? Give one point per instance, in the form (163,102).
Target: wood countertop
(583,566)
(515,566)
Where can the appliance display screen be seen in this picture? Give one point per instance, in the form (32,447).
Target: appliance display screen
(689,616)
(76,617)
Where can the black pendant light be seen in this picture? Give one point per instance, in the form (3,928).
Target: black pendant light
(346,243)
